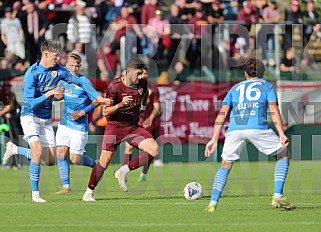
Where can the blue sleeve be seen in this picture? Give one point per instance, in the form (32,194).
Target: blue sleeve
(81,81)
(271,94)
(90,108)
(88,87)
(30,92)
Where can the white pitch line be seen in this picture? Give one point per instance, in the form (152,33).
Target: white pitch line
(112,202)
(160,224)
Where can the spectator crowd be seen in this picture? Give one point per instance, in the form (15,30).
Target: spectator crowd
(175,34)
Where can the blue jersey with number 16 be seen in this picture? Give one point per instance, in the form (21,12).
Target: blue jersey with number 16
(248,101)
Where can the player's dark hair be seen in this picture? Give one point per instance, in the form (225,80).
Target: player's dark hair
(254,68)
(51,46)
(135,63)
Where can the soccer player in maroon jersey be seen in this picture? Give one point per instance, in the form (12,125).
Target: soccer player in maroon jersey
(150,120)
(129,93)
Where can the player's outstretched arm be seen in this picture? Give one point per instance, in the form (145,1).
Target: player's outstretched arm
(78,114)
(103,101)
(219,122)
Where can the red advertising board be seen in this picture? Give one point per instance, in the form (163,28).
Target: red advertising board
(189,111)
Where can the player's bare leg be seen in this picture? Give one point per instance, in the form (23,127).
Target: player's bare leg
(150,148)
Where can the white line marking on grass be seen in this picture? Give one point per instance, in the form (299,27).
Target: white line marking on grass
(157,225)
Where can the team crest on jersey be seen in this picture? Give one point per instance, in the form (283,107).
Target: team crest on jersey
(54,74)
(140,90)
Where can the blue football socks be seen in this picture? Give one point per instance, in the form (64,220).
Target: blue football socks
(87,161)
(219,183)
(280,173)
(34,173)
(63,168)
(25,152)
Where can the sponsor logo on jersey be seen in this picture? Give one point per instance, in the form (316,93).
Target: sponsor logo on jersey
(54,73)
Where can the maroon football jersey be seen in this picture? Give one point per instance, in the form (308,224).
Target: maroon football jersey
(117,90)
(152,98)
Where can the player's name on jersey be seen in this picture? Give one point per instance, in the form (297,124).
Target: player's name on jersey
(247,105)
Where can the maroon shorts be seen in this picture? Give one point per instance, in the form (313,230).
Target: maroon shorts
(115,133)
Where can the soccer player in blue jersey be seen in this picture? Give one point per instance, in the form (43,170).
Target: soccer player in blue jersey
(40,85)
(72,132)
(248,103)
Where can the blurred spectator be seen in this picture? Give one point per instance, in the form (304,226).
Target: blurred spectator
(79,49)
(12,34)
(248,15)
(135,8)
(310,18)
(108,63)
(101,8)
(79,29)
(15,133)
(181,72)
(158,31)
(48,7)
(177,29)
(126,25)
(260,5)
(292,16)
(20,65)
(186,10)
(16,9)
(148,11)
(200,45)
(2,46)
(34,25)
(288,62)
(112,12)
(240,47)
(230,9)
(271,15)
(215,14)
(4,64)
(221,55)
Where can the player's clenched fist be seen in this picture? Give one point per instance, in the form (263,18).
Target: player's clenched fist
(126,100)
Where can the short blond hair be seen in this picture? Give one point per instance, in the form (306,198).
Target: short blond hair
(74,55)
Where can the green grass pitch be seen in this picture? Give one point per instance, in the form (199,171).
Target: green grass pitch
(159,205)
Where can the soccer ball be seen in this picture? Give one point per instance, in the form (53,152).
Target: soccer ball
(193,191)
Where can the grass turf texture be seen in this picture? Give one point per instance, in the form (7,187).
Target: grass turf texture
(159,205)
